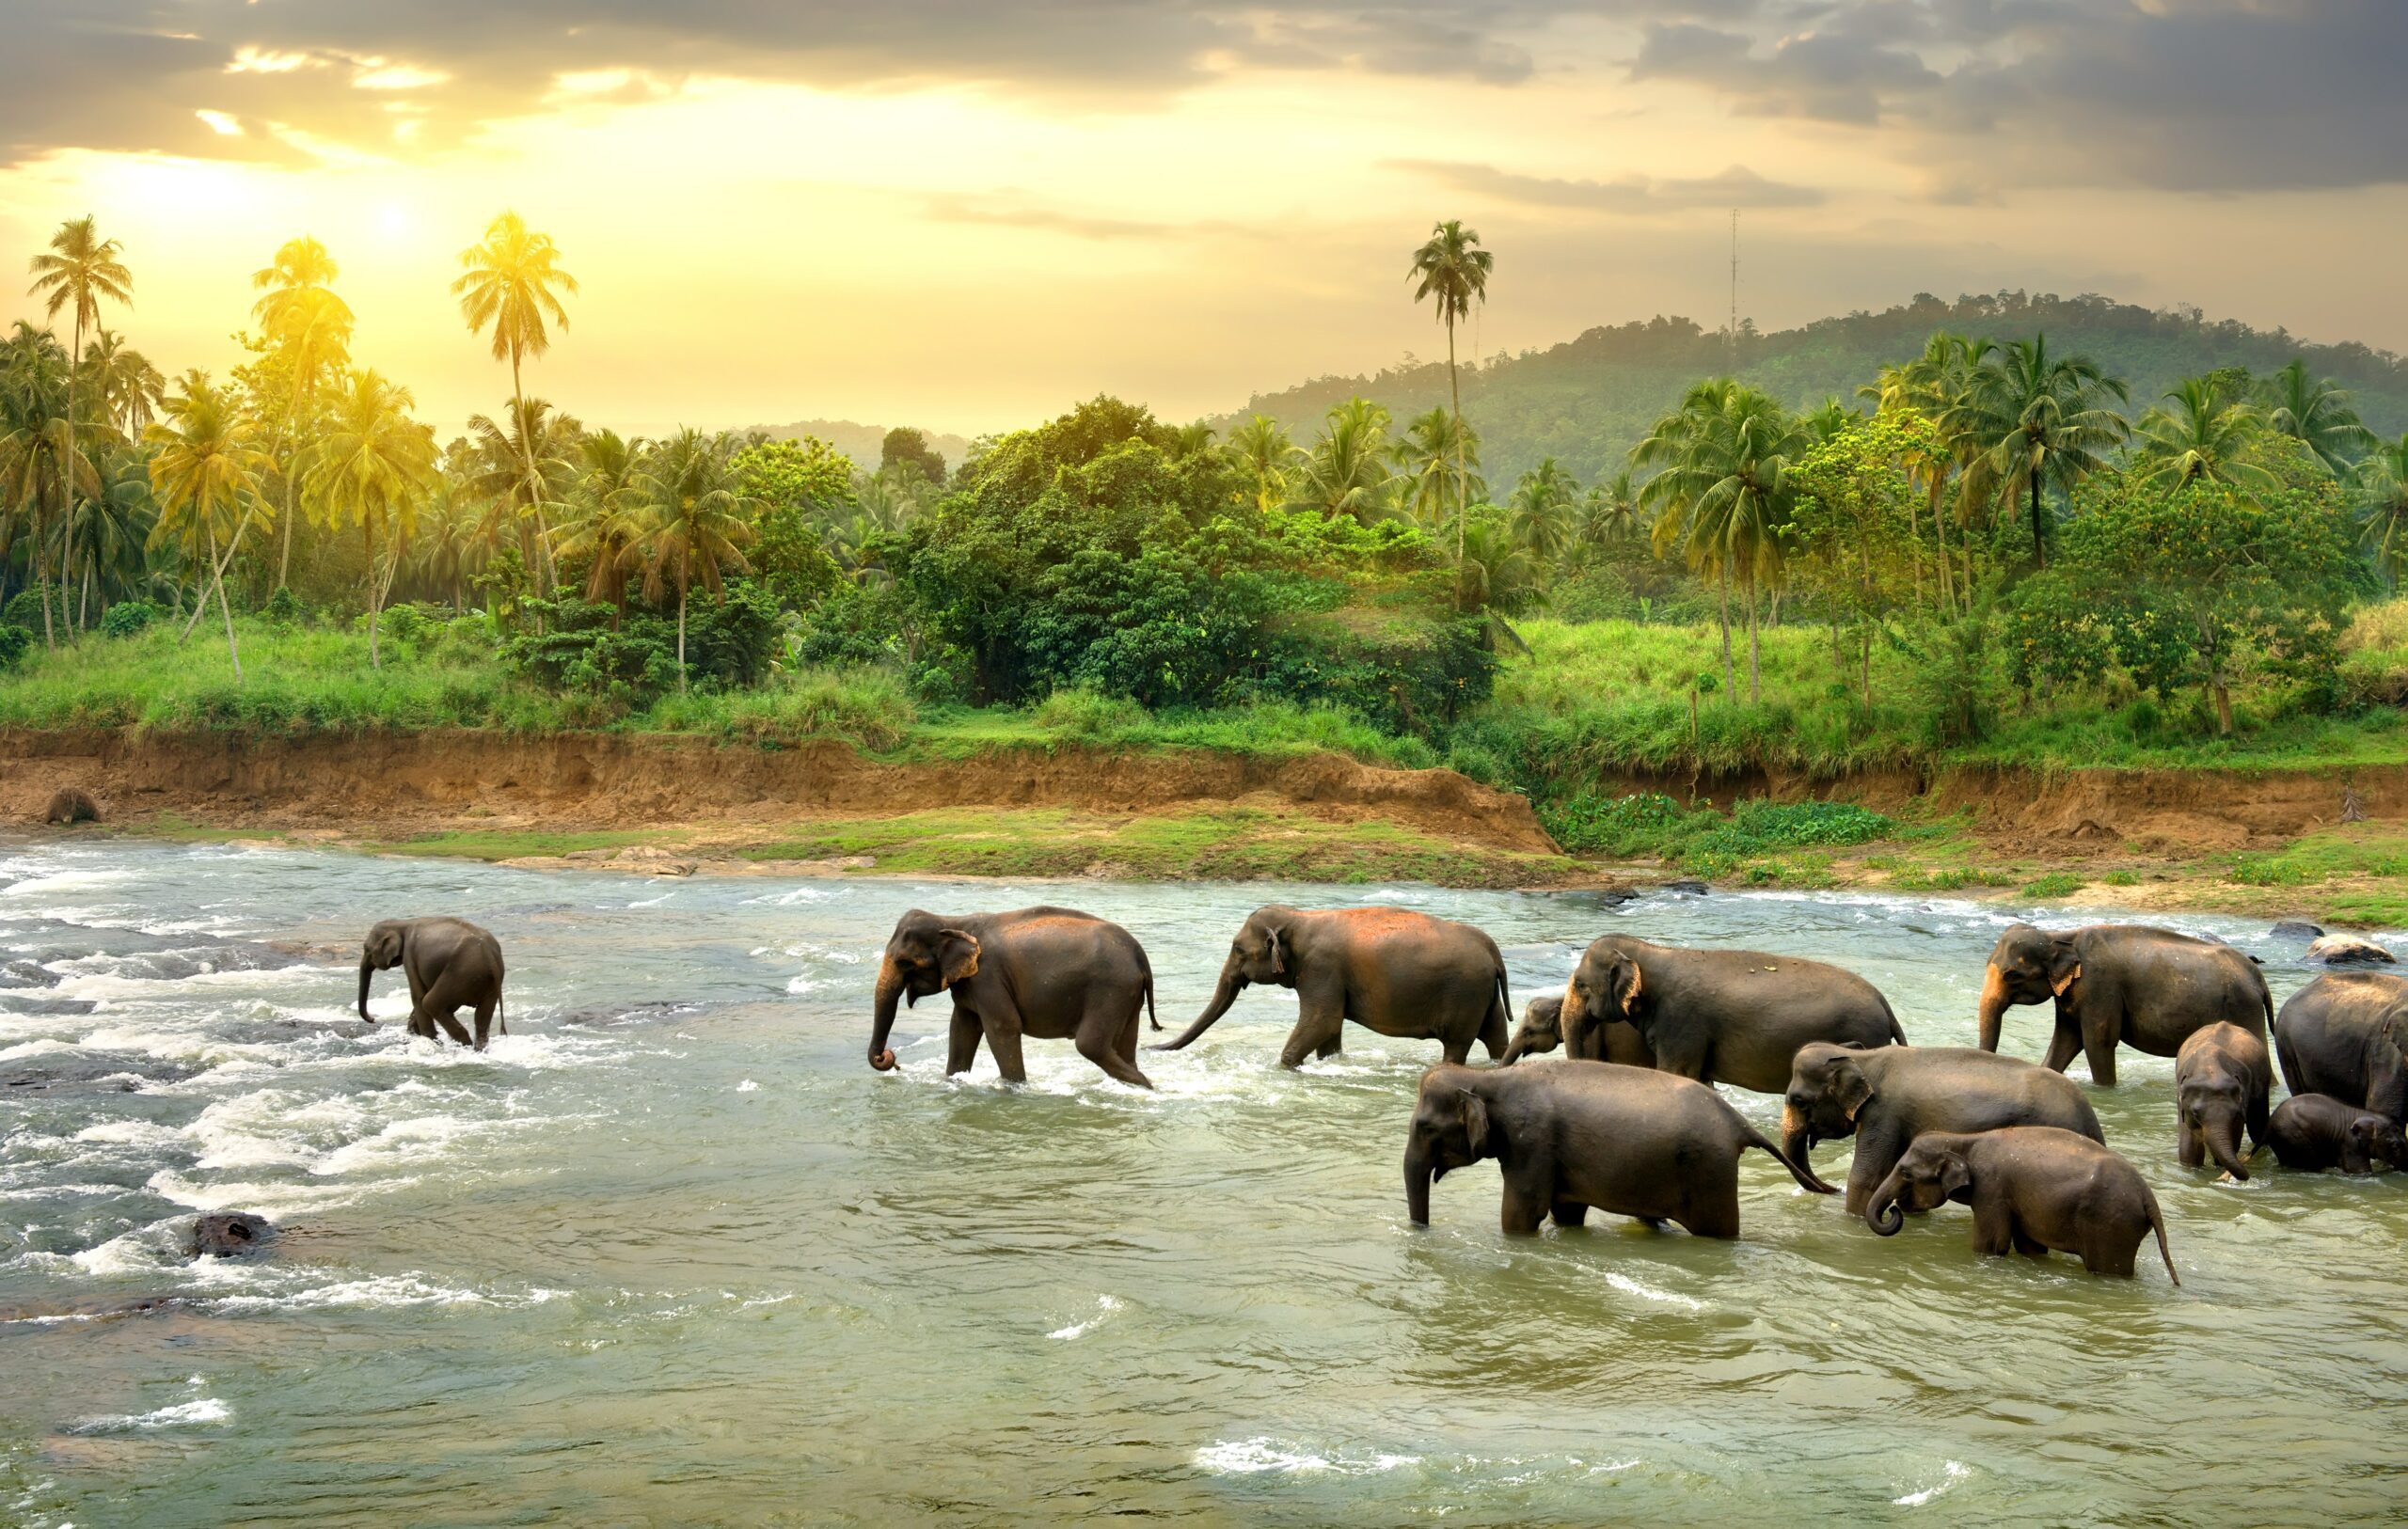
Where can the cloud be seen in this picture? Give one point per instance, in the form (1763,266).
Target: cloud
(1738,186)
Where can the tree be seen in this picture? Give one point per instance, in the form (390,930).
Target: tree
(1722,493)
(907,447)
(376,465)
(2209,434)
(512,280)
(1267,459)
(1608,515)
(1346,473)
(1851,515)
(1930,388)
(81,270)
(1438,455)
(692,521)
(2316,413)
(2038,420)
(205,476)
(127,386)
(604,529)
(2383,506)
(307,331)
(521,468)
(1543,514)
(1452,269)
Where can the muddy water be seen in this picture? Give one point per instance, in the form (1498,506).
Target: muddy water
(672,1252)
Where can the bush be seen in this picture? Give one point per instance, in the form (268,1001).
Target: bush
(284,607)
(128,617)
(1081,712)
(15,642)
(25,610)
(2055,884)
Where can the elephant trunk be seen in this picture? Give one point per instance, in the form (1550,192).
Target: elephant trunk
(1514,1049)
(367,973)
(1883,1212)
(2223,1136)
(1993,1006)
(1225,993)
(890,989)
(1417,1186)
(1796,1137)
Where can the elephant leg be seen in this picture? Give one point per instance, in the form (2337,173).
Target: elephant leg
(1004,1040)
(2064,1046)
(452,1028)
(484,1019)
(1994,1234)
(1524,1208)
(1320,1022)
(2187,1147)
(1693,1060)
(1877,1151)
(2099,1049)
(1333,1045)
(443,1000)
(1099,1038)
(1495,1034)
(1715,1213)
(961,1042)
(1570,1213)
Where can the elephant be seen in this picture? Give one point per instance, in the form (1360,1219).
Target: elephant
(1542,1030)
(2221,1078)
(2315,1132)
(1717,1016)
(2346,1034)
(1049,972)
(1390,970)
(1887,1097)
(449,962)
(2034,1189)
(2120,984)
(1572,1135)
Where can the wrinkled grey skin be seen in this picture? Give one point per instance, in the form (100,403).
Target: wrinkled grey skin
(1568,1136)
(1542,1030)
(2311,1132)
(1886,1098)
(1390,970)
(2120,985)
(1720,1016)
(2346,1034)
(2034,1189)
(2221,1080)
(1049,972)
(450,964)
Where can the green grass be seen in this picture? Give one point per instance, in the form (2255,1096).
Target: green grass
(509,844)
(2055,884)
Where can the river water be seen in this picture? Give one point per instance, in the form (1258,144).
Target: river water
(672,1252)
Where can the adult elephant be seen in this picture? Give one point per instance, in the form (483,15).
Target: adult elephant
(2346,1034)
(1390,970)
(1720,1016)
(1051,972)
(1886,1098)
(452,965)
(2121,984)
(1542,1030)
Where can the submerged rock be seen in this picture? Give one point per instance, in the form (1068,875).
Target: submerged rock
(103,1070)
(2349,951)
(1685,889)
(2296,929)
(230,1233)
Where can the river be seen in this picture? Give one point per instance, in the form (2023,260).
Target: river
(672,1252)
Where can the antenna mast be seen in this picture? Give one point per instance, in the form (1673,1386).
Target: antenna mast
(1732,342)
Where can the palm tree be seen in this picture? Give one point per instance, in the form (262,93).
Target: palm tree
(2316,414)
(1453,268)
(124,381)
(1267,458)
(1542,508)
(81,270)
(1191,440)
(112,526)
(35,447)
(1346,473)
(2383,489)
(310,329)
(1438,456)
(205,470)
(604,527)
(447,545)
(1930,388)
(692,521)
(1829,417)
(1723,493)
(1609,513)
(2207,435)
(376,465)
(1499,571)
(2037,419)
(524,467)
(512,281)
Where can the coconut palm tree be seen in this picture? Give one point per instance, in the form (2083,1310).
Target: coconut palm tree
(2037,419)
(448,548)
(124,383)
(1346,473)
(2316,413)
(2382,497)
(603,526)
(1609,513)
(2208,434)
(308,329)
(376,465)
(1439,458)
(81,271)
(693,521)
(1542,508)
(525,466)
(1722,492)
(1451,269)
(512,281)
(205,476)
(113,525)
(37,455)
(1266,457)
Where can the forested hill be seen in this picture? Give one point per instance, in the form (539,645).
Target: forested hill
(860,442)
(1587,402)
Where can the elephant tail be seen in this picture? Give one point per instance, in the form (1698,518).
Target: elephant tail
(1897,1030)
(2157,1222)
(1504,997)
(501,1013)
(1152,1018)
(1750,1136)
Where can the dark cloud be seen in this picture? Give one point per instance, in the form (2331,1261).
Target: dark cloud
(1738,186)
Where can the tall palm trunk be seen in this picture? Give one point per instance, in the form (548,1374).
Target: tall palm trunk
(41,571)
(527,459)
(1939,538)
(2039,549)
(231,652)
(1722,603)
(681,637)
(66,535)
(1755,672)
(1462,509)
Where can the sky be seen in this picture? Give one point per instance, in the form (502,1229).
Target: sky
(969,214)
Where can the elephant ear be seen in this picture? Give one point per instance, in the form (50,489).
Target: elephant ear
(1475,1122)
(1279,962)
(2065,966)
(384,949)
(1626,984)
(1854,1091)
(1954,1174)
(957,956)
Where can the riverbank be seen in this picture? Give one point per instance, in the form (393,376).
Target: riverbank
(2264,842)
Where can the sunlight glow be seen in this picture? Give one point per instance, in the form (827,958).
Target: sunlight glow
(219,123)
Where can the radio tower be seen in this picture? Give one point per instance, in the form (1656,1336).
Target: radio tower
(1732,342)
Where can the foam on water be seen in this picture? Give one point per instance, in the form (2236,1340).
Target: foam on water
(207,1410)
(1263,1454)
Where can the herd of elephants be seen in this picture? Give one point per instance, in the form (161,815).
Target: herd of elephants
(1631,1125)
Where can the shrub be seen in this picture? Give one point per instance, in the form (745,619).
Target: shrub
(284,607)
(15,642)
(25,610)
(1081,712)
(128,617)
(2054,884)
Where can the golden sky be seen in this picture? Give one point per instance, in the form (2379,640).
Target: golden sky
(970,215)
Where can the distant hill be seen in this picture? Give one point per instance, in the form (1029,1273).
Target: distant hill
(862,442)
(1587,402)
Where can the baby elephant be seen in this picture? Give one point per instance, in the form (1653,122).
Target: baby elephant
(1542,1030)
(450,964)
(1571,1135)
(2317,1131)
(2222,1076)
(2034,1190)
